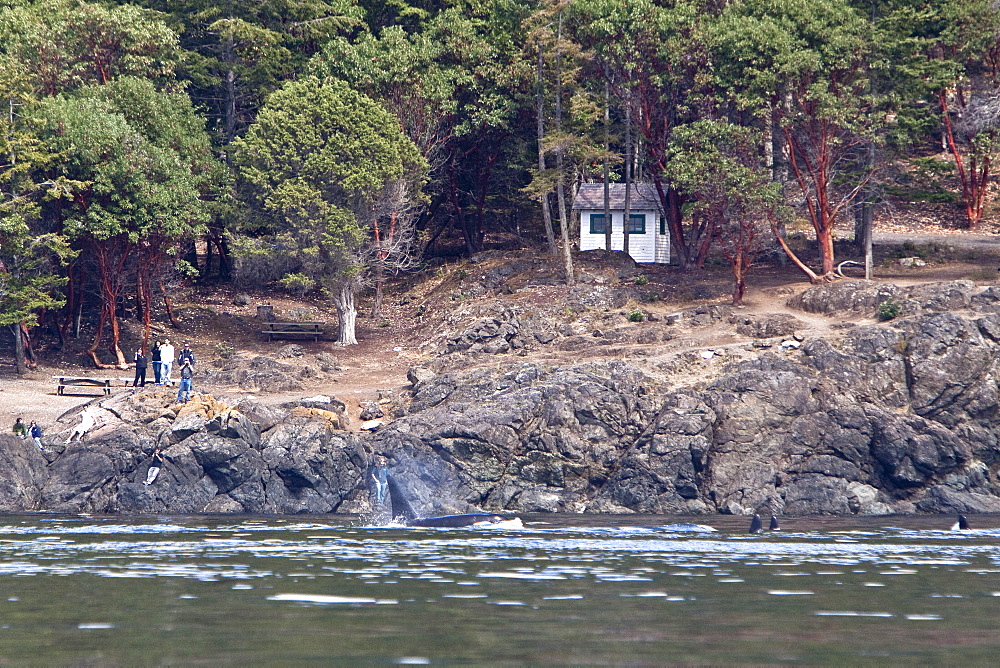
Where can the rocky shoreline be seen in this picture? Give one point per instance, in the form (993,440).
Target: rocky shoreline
(896,417)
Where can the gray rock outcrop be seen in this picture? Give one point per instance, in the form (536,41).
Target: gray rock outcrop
(217,459)
(893,418)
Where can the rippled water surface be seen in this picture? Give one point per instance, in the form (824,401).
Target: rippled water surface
(564,589)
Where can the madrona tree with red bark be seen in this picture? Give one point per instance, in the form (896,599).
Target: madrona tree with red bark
(138,186)
(804,64)
(717,166)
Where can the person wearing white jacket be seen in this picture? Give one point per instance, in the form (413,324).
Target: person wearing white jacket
(166,361)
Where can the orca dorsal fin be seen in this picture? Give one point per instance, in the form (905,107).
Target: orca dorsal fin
(400,506)
(774,524)
(756,525)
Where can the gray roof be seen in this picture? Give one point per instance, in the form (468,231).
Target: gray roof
(591,196)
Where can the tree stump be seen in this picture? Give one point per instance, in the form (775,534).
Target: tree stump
(265,313)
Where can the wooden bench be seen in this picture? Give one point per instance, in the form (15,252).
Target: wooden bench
(102,384)
(293,329)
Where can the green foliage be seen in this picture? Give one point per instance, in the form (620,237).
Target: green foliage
(133,181)
(636,315)
(641,280)
(297,284)
(239,52)
(315,164)
(888,310)
(224,349)
(66,44)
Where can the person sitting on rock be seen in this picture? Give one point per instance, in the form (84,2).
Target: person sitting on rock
(20,429)
(184,391)
(36,434)
(80,430)
(154,467)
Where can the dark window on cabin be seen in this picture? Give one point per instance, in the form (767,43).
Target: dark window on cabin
(637,223)
(663,226)
(597,223)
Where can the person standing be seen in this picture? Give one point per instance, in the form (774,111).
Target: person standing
(20,429)
(157,365)
(166,361)
(154,467)
(184,391)
(36,434)
(381,477)
(140,368)
(186,354)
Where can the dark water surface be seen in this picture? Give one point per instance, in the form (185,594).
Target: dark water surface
(565,589)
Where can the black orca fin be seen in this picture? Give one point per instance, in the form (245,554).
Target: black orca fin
(755,524)
(400,506)
(774,524)
(963,523)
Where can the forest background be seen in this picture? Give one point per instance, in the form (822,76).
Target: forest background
(320,147)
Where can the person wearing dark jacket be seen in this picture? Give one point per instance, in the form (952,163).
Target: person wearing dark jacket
(154,467)
(184,391)
(186,354)
(156,362)
(140,368)
(35,432)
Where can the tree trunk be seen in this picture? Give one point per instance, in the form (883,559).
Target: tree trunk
(607,170)
(15,328)
(346,314)
(975,177)
(379,284)
(170,307)
(866,217)
(626,216)
(560,189)
(540,120)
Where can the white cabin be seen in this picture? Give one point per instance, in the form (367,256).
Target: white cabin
(649,237)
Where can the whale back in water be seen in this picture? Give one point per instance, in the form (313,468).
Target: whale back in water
(464,520)
(402,508)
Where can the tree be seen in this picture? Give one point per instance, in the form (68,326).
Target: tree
(66,44)
(316,163)
(134,153)
(969,100)
(239,52)
(29,256)
(806,63)
(718,166)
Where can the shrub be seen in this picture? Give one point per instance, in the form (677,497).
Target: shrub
(224,350)
(297,284)
(636,315)
(888,310)
(641,279)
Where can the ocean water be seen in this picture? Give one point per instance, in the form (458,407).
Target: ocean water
(636,590)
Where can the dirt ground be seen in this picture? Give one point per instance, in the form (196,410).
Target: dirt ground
(395,342)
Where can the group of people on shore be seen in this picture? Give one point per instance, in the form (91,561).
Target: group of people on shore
(162,354)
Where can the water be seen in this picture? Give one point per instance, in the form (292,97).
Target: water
(636,590)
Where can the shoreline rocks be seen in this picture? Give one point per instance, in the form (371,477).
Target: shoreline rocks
(898,417)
